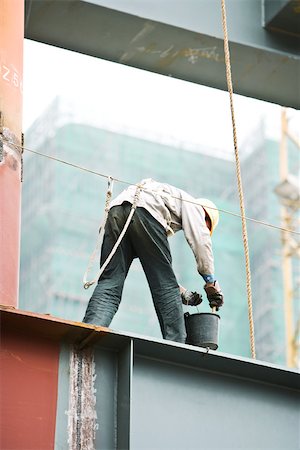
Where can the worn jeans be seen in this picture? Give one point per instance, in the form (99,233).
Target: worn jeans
(146,239)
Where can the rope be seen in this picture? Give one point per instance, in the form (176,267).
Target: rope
(118,242)
(86,283)
(239,181)
(85,169)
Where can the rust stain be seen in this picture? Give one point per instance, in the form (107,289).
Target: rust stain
(51,327)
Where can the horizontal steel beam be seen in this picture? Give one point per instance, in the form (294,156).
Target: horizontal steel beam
(178,39)
(155,393)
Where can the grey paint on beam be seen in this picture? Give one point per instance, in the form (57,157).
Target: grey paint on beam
(271,8)
(282,16)
(106,386)
(156,394)
(61,429)
(125,369)
(173,396)
(183,41)
(164,395)
(196,409)
(245,19)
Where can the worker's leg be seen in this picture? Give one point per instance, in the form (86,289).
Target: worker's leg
(150,242)
(106,298)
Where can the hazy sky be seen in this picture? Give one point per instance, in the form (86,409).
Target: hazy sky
(133,99)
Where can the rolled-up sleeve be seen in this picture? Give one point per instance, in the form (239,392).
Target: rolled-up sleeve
(198,236)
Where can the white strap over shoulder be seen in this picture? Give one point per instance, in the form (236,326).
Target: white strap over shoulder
(87,284)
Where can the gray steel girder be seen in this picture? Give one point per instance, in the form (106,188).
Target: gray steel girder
(282,16)
(172,396)
(160,395)
(182,39)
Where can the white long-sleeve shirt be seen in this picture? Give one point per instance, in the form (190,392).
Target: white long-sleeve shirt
(165,203)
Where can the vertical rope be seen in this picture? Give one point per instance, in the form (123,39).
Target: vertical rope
(239,181)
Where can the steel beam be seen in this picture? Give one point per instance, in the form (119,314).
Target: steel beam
(282,16)
(124,407)
(179,39)
(159,394)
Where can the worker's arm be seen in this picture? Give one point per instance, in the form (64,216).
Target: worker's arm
(198,237)
(191,219)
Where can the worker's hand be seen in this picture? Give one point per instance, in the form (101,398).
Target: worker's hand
(191,298)
(214,295)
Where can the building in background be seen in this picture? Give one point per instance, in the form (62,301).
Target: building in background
(63,207)
(261,176)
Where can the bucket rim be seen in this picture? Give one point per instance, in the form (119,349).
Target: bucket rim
(187,314)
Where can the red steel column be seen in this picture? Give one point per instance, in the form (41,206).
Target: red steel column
(11,71)
(28,389)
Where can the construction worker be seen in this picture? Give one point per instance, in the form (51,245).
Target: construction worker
(161,211)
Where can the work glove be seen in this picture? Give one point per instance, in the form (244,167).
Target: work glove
(191,298)
(214,295)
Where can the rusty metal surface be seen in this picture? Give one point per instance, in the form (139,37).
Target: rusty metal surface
(11,86)
(10,204)
(77,333)
(29,370)
(135,379)
(49,326)
(184,42)
(11,64)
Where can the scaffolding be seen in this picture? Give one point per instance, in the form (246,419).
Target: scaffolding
(288,192)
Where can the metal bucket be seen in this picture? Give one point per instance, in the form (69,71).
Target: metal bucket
(202,329)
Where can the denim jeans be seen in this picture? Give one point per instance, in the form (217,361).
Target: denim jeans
(146,239)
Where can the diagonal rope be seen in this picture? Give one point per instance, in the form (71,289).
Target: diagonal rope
(239,180)
(109,192)
(93,172)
